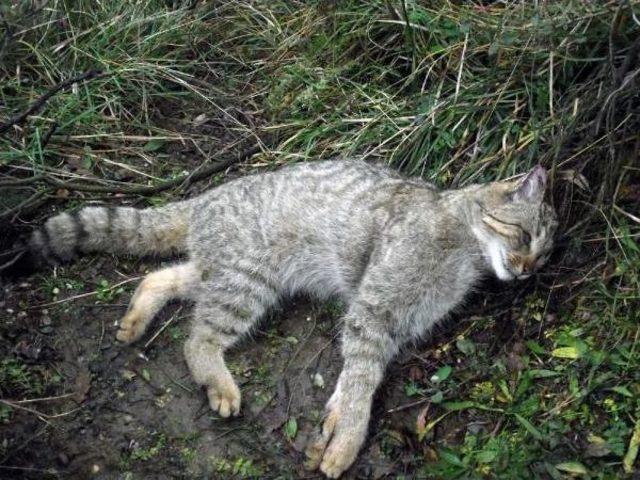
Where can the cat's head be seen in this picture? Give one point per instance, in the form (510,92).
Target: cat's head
(515,226)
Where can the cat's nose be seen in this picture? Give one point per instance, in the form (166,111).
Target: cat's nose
(528,265)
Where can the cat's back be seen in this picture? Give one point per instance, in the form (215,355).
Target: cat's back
(313,200)
(326,182)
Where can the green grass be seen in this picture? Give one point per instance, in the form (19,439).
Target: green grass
(455,92)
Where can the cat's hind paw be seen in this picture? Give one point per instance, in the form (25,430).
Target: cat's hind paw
(132,326)
(225,399)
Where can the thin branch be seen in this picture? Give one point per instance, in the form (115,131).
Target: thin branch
(197,175)
(39,103)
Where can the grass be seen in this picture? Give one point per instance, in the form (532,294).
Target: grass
(455,92)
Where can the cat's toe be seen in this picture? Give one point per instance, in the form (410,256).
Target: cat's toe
(225,401)
(315,449)
(131,328)
(338,458)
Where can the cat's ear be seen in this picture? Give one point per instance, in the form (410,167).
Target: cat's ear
(531,188)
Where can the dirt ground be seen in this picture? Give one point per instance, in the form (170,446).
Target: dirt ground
(134,412)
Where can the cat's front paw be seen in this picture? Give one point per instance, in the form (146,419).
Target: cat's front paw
(340,454)
(225,399)
(316,448)
(336,448)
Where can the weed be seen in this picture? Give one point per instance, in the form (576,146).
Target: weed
(16,378)
(150,452)
(240,467)
(105,292)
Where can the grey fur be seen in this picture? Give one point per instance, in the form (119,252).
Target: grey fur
(401,253)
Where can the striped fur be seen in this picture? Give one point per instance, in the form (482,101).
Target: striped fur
(399,252)
(118,230)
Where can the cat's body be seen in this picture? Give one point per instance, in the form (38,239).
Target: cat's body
(399,252)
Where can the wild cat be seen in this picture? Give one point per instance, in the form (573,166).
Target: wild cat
(401,254)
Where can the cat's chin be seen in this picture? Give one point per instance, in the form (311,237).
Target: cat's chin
(505,275)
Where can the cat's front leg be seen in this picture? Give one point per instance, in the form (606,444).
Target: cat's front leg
(367,347)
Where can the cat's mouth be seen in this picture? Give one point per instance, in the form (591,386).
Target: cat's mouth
(514,275)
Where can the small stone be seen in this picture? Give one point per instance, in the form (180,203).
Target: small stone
(95,468)
(200,119)
(318,381)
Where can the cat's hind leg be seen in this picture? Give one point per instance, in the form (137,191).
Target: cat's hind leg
(157,288)
(226,309)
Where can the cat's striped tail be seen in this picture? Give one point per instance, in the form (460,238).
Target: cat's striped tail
(160,230)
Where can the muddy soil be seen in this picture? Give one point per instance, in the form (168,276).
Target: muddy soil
(134,412)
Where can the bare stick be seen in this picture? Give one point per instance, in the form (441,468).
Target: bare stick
(39,103)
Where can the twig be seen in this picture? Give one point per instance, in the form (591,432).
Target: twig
(35,106)
(35,199)
(408,405)
(161,329)
(8,35)
(197,175)
(40,415)
(43,399)
(149,189)
(30,469)
(83,295)
(44,141)
(11,262)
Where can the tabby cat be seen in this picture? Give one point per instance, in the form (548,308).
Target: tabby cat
(401,253)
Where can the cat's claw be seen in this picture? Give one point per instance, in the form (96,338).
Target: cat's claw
(225,401)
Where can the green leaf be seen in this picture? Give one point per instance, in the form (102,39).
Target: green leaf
(455,406)
(291,428)
(146,375)
(153,145)
(487,456)
(572,467)
(535,347)
(87,162)
(442,374)
(437,397)
(411,389)
(466,346)
(535,433)
(543,373)
(450,457)
(632,451)
(622,390)
(566,352)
